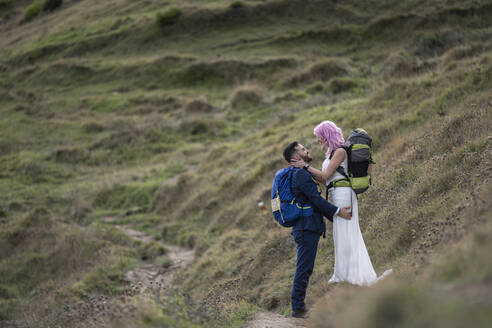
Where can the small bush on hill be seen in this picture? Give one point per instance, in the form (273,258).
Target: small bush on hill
(50,5)
(126,196)
(79,210)
(315,88)
(321,71)
(236,5)
(92,127)
(340,85)
(5,4)
(33,11)
(163,262)
(246,96)
(435,44)
(400,64)
(199,105)
(168,17)
(69,155)
(199,127)
(151,250)
(462,52)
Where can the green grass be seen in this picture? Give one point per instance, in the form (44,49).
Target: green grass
(169,17)
(178,129)
(33,10)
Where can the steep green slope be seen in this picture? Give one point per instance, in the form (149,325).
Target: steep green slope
(177,129)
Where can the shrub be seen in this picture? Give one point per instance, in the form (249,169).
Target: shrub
(126,196)
(246,96)
(163,262)
(321,71)
(69,155)
(79,210)
(199,105)
(400,64)
(5,4)
(236,5)
(199,127)
(168,17)
(315,88)
(92,127)
(462,52)
(339,85)
(151,251)
(32,11)
(435,44)
(50,5)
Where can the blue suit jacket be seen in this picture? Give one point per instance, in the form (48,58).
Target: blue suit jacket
(305,191)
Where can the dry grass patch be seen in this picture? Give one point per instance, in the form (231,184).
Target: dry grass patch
(198,105)
(402,64)
(320,71)
(247,96)
(462,52)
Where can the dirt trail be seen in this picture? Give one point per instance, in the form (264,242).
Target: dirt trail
(273,320)
(150,276)
(148,282)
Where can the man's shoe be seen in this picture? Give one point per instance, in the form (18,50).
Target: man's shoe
(301,313)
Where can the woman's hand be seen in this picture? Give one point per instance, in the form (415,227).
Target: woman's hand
(299,163)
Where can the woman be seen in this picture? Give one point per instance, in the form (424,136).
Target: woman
(352,262)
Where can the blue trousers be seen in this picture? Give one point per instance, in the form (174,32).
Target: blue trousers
(307,246)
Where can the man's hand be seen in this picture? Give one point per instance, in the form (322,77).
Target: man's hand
(345,212)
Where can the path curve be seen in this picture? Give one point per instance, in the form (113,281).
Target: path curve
(149,275)
(148,282)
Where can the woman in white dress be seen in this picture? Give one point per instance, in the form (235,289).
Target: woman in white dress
(352,262)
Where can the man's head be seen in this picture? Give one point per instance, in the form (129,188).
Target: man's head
(296,151)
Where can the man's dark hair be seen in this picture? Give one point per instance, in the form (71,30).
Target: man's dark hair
(290,151)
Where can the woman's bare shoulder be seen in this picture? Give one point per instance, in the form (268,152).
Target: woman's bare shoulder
(339,153)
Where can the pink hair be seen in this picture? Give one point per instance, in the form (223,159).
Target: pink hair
(331,135)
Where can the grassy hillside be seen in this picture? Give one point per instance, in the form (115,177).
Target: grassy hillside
(172,116)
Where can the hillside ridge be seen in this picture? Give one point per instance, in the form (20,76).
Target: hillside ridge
(176,127)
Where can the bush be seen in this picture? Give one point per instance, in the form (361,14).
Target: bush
(92,127)
(168,17)
(33,11)
(163,262)
(340,85)
(236,5)
(246,96)
(5,4)
(151,251)
(50,5)
(69,155)
(462,52)
(321,71)
(199,105)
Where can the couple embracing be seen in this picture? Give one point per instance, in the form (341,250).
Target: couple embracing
(352,262)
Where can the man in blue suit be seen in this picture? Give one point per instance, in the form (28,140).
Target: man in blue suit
(307,230)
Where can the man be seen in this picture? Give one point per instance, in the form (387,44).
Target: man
(307,229)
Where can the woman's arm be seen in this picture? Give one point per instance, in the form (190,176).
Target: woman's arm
(323,176)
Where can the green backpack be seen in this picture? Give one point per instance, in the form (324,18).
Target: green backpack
(359,156)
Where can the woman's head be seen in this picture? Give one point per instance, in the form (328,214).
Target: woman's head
(329,135)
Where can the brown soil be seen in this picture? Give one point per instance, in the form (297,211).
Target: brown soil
(273,320)
(147,282)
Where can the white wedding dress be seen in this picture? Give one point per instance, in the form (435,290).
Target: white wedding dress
(352,262)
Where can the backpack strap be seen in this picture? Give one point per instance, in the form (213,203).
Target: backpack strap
(340,168)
